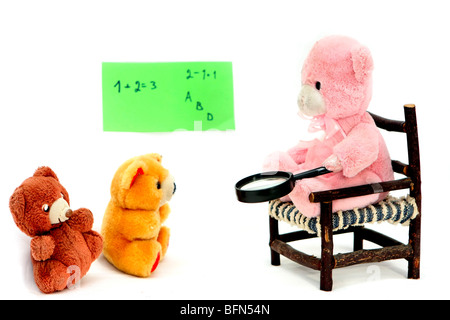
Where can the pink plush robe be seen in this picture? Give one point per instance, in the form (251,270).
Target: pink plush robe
(363,156)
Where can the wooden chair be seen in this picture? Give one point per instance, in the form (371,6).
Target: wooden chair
(391,248)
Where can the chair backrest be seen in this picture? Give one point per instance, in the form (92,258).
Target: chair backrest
(408,126)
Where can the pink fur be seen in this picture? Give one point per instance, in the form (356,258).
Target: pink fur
(344,69)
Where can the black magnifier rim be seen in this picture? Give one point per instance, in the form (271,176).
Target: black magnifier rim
(265,194)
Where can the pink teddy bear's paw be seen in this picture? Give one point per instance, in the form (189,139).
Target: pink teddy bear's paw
(332,163)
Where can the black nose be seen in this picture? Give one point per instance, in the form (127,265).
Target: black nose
(174,188)
(69,213)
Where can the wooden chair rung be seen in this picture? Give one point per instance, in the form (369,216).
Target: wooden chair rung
(295,255)
(335,194)
(388,124)
(400,167)
(378,238)
(401,251)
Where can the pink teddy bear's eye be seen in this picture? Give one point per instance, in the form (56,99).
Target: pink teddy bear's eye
(318,85)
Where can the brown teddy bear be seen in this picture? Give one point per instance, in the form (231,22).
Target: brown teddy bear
(63,246)
(135,240)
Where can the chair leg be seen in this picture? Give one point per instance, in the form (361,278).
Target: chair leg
(274,234)
(326,260)
(357,239)
(412,140)
(414,241)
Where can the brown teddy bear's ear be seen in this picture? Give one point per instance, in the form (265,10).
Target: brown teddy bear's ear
(362,63)
(132,172)
(45,172)
(17,206)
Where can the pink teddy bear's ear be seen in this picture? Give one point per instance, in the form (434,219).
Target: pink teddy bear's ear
(362,63)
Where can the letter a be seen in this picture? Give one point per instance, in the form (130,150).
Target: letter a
(188,96)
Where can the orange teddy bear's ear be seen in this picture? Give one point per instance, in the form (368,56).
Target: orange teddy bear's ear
(132,172)
(139,171)
(155,156)
(135,169)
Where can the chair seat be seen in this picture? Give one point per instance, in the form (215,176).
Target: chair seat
(393,210)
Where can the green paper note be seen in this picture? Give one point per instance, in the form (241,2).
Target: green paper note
(168,96)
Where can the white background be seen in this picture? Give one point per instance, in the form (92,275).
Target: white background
(51,114)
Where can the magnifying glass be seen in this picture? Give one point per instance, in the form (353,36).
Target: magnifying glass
(271,185)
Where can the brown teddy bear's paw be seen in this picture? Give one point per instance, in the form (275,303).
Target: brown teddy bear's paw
(94,242)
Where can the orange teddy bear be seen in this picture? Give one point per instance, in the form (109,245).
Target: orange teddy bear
(63,245)
(134,239)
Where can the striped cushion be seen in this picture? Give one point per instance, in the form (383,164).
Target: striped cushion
(393,210)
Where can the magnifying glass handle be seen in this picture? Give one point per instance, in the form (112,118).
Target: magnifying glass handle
(311,173)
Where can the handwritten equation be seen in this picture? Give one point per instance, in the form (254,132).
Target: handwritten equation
(138,86)
(204,74)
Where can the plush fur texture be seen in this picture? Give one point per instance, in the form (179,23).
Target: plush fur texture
(336,91)
(62,251)
(135,239)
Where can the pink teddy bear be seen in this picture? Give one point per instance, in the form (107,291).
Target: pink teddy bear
(336,91)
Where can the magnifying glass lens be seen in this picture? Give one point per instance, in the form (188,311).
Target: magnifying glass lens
(263,183)
(264,186)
